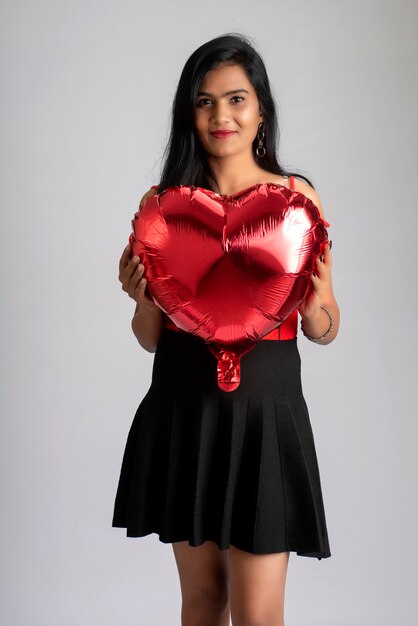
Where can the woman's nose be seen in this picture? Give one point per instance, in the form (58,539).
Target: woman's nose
(221,113)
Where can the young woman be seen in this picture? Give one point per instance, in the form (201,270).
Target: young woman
(231,479)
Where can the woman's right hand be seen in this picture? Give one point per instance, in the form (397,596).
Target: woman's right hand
(131,272)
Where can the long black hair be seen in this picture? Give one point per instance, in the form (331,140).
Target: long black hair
(185,161)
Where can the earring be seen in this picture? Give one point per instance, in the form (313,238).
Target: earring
(260,151)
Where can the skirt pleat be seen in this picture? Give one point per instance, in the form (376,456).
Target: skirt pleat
(237,468)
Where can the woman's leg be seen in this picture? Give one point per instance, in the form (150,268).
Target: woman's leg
(204,582)
(257,587)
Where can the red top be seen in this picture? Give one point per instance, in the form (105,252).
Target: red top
(286,330)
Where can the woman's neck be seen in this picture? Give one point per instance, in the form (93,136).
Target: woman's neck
(236,173)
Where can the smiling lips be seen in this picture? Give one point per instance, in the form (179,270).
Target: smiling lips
(222,134)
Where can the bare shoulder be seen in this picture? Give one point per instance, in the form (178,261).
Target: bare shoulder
(148,194)
(309,192)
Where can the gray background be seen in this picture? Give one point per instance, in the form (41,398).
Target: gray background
(87,88)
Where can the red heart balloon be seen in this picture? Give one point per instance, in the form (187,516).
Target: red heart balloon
(228,269)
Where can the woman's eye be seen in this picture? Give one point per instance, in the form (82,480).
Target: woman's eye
(201,102)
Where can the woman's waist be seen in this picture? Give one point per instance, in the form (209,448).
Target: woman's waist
(182,358)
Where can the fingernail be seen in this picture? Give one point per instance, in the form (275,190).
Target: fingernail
(330,244)
(135,259)
(313,274)
(320,257)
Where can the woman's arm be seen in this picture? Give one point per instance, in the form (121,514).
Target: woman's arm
(147,322)
(315,321)
(147,325)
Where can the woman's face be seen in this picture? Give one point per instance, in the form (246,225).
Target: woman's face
(216,109)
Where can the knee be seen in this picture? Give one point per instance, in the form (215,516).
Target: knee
(258,620)
(210,599)
(258,623)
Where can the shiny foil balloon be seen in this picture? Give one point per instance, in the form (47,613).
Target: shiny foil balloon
(228,269)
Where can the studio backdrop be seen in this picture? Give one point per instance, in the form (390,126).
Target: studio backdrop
(86,94)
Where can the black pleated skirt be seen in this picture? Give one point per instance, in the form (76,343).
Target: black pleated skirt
(237,468)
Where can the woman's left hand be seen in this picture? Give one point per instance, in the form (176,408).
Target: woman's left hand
(321,291)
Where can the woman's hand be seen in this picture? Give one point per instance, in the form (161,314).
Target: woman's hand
(321,291)
(315,321)
(131,272)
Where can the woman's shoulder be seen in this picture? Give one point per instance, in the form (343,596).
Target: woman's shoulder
(148,194)
(301,186)
(308,191)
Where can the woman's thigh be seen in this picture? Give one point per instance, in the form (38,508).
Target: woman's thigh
(203,572)
(257,587)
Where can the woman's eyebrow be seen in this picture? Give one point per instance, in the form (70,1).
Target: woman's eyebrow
(228,93)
